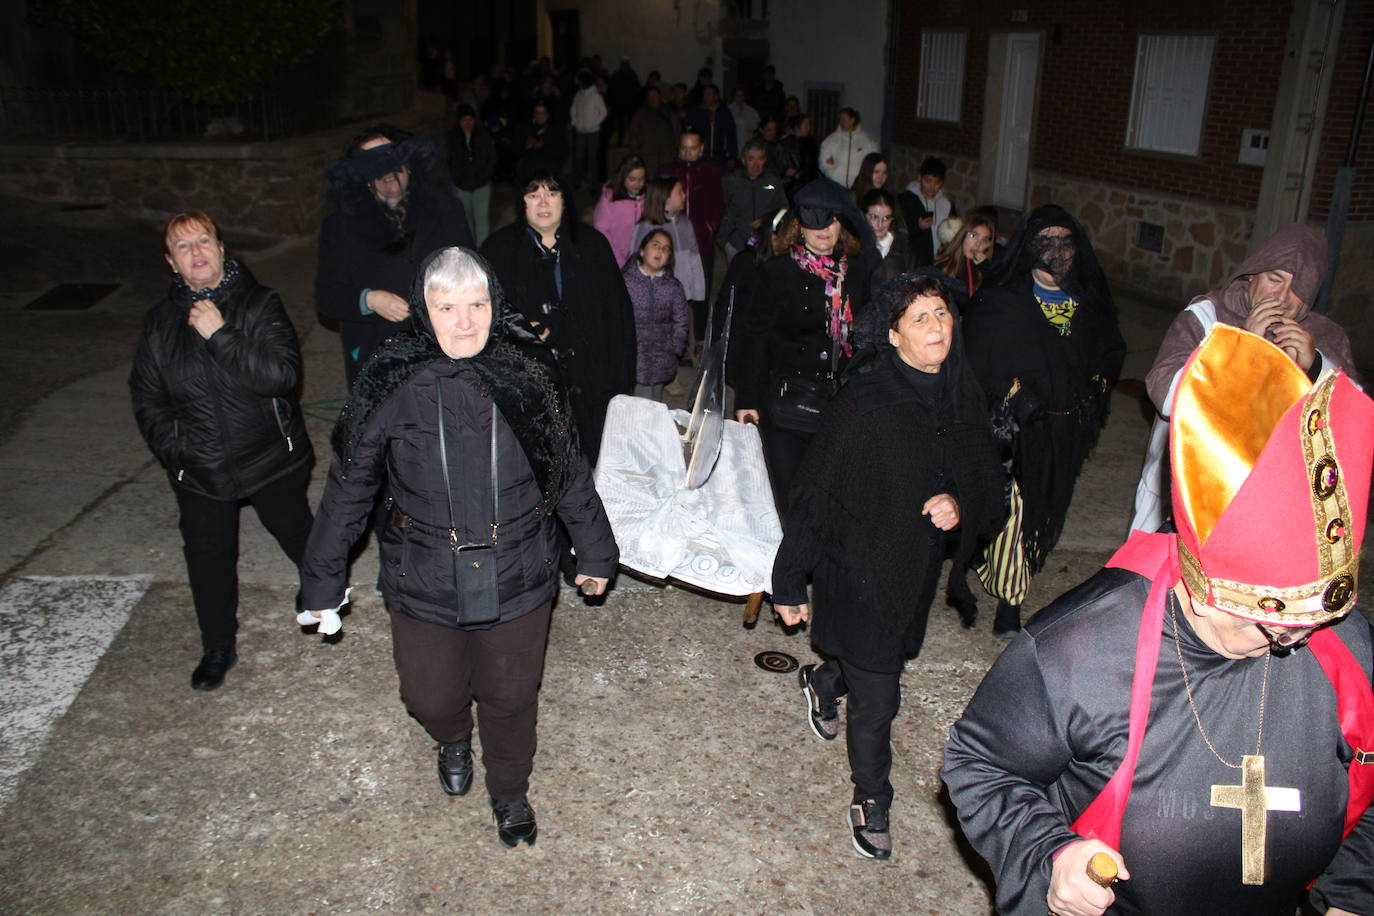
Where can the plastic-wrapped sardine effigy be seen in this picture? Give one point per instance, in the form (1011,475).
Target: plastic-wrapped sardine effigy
(720,536)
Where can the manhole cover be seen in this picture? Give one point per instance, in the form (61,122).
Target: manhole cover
(777,662)
(71,297)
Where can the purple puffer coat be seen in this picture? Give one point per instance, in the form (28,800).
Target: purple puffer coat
(660,323)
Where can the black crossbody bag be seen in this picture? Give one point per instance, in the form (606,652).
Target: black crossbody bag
(474,564)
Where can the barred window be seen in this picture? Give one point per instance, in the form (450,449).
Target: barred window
(940,90)
(1169,97)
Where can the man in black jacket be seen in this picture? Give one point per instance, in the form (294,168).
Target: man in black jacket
(393,205)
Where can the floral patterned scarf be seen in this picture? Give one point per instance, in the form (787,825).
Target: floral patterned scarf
(839,316)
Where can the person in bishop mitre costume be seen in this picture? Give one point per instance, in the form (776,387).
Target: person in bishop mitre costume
(1200,710)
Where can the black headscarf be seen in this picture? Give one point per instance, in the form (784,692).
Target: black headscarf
(1085,281)
(517,367)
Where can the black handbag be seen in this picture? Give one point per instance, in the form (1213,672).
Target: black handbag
(795,403)
(474,564)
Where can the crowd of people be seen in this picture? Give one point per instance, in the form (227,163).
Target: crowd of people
(924,391)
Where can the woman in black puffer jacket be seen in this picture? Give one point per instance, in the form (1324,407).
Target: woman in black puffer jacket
(467,421)
(214,386)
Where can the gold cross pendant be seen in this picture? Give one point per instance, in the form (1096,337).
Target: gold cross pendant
(1254,799)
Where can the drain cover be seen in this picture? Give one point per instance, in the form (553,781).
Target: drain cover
(777,662)
(71,297)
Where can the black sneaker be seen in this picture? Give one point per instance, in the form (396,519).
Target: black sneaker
(214,665)
(824,717)
(1008,620)
(455,766)
(514,822)
(868,824)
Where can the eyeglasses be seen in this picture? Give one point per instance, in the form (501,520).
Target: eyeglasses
(876,218)
(1283,640)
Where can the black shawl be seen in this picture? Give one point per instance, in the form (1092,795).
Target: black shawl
(517,367)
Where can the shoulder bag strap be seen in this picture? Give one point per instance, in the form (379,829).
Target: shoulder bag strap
(443,463)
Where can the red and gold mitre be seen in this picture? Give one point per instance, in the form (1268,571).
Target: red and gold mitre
(1271,478)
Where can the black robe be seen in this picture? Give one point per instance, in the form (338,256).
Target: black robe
(592,326)
(1065,390)
(1048,727)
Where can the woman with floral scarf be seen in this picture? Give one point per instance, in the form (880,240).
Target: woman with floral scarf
(798,329)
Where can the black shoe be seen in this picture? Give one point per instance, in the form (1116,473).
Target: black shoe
(214,664)
(1008,620)
(960,597)
(824,717)
(455,766)
(514,822)
(868,824)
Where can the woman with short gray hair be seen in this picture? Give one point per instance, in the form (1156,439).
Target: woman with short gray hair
(467,421)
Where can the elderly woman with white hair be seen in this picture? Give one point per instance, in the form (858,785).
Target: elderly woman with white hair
(467,422)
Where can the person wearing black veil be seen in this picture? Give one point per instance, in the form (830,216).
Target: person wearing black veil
(466,419)
(561,275)
(1043,339)
(903,462)
(391,204)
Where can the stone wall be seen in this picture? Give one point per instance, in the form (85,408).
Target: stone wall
(1203,242)
(266,188)
(272,189)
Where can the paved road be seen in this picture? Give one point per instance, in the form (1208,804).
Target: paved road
(673,776)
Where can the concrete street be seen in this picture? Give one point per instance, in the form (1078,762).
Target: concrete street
(673,774)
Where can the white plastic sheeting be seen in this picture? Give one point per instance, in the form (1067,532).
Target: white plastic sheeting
(720,537)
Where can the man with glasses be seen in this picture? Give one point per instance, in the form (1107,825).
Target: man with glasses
(1200,712)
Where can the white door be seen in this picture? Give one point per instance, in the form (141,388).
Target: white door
(1018,110)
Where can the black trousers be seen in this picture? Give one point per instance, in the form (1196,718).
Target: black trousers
(783,450)
(444,670)
(872,698)
(210,542)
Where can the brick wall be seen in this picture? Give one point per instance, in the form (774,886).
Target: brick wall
(1351,55)
(1085,90)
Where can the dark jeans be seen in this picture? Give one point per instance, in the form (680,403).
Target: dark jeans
(210,541)
(443,670)
(873,698)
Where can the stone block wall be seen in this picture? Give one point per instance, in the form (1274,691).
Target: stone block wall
(1203,241)
(271,189)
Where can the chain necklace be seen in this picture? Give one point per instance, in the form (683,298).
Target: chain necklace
(1188,688)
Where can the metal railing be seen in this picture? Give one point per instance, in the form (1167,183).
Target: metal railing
(146,115)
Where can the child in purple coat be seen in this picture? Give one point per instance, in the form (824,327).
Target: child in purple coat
(660,306)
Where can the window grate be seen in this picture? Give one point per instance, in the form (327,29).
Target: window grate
(1169,96)
(940,90)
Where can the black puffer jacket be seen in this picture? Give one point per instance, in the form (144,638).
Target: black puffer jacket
(222,415)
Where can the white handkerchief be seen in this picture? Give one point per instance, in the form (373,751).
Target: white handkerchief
(329,618)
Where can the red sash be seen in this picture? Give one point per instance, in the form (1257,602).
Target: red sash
(1155,556)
